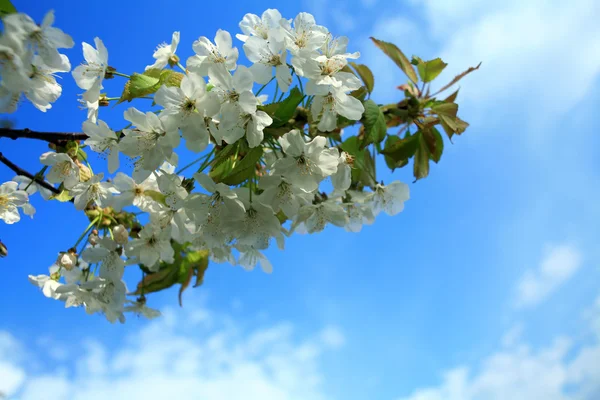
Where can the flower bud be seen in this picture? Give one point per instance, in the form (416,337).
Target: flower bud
(3,250)
(67,260)
(173,60)
(84,172)
(120,234)
(93,238)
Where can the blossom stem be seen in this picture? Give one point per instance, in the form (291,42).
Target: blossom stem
(39,175)
(195,161)
(89,228)
(301,88)
(120,74)
(81,154)
(181,67)
(264,86)
(20,171)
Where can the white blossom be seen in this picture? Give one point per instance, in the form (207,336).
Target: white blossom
(134,193)
(43,89)
(47,284)
(186,107)
(269,25)
(93,190)
(267,55)
(280,194)
(89,76)
(31,187)
(170,187)
(151,143)
(315,217)
(390,198)
(165,53)
(152,246)
(103,140)
(112,266)
(305,36)
(306,163)
(44,38)
(250,256)
(221,55)
(140,308)
(62,169)
(326,108)
(10,200)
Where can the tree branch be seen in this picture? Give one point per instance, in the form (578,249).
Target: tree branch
(19,171)
(51,137)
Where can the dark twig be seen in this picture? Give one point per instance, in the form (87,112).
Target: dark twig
(52,137)
(20,171)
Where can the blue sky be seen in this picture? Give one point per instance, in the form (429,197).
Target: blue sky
(484,287)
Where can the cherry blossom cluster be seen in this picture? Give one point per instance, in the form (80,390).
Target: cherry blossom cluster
(213,107)
(29,60)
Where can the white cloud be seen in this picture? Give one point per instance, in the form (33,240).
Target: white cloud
(557,266)
(564,370)
(174,357)
(333,337)
(513,335)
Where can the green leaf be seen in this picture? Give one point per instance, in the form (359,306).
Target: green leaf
(6,7)
(185,265)
(421,162)
(401,149)
(282,111)
(352,147)
(140,85)
(63,196)
(374,122)
(390,161)
(367,175)
(452,97)
(359,93)
(223,154)
(245,168)
(435,143)
(393,52)
(200,265)
(445,109)
(429,70)
(365,75)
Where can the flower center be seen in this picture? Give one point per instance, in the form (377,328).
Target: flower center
(3,200)
(65,168)
(188,106)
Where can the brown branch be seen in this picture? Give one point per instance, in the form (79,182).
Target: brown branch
(20,171)
(51,137)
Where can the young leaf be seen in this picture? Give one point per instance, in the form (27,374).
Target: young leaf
(445,109)
(6,7)
(63,196)
(374,122)
(435,143)
(401,149)
(282,111)
(140,85)
(245,168)
(365,74)
(429,70)
(393,52)
(421,162)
